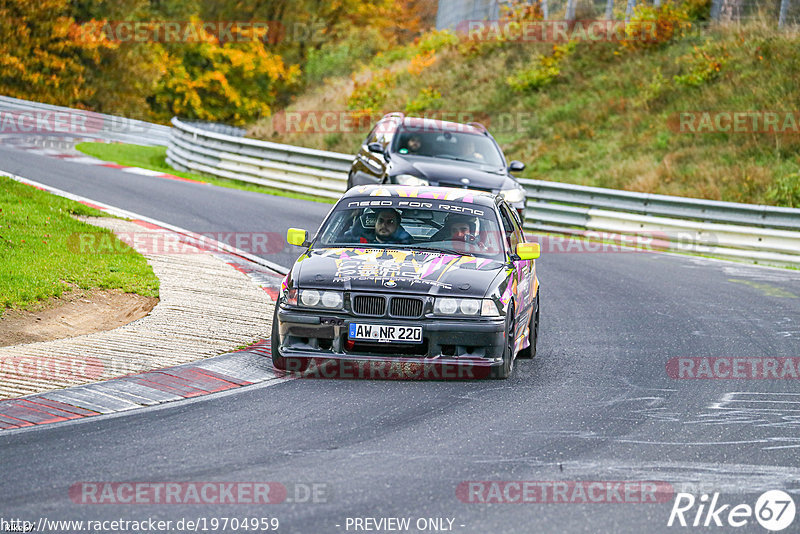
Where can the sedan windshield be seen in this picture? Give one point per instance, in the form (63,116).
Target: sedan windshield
(458,146)
(440,226)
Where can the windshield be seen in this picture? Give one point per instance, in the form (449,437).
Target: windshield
(439,226)
(459,146)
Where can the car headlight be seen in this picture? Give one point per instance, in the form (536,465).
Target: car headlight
(445,306)
(332,299)
(410,179)
(467,307)
(313,298)
(513,195)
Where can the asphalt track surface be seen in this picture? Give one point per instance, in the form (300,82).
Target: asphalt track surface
(596,404)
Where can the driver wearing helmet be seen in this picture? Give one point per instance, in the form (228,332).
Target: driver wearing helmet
(386,230)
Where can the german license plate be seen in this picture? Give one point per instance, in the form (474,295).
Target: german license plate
(381,333)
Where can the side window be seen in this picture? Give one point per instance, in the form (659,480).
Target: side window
(508,229)
(515,220)
(373,135)
(384,132)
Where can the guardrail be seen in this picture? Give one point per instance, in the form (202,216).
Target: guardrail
(37,119)
(303,170)
(763,234)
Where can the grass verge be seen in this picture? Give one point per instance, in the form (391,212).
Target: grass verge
(39,257)
(154,159)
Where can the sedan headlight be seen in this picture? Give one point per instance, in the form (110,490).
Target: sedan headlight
(466,307)
(445,306)
(513,196)
(410,179)
(313,298)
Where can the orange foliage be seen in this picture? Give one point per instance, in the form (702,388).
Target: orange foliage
(421,61)
(41,58)
(46,56)
(233,83)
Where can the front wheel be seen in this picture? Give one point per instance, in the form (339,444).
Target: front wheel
(504,371)
(278,361)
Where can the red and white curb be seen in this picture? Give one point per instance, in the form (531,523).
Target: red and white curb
(233,254)
(219,373)
(213,375)
(89,160)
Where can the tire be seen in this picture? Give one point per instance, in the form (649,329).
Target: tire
(349,181)
(278,361)
(530,351)
(504,371)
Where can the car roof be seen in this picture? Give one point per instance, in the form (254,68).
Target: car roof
(482,198)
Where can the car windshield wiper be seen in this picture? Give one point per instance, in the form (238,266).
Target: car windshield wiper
(450,156)
(437,249)
(484,163)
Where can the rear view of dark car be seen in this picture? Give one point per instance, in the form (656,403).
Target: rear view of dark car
(417,152)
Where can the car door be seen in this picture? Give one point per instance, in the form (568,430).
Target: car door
(370,167)
(523,269)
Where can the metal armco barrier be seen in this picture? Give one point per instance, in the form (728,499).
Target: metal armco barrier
(301,170)
(46,119)
(764,234)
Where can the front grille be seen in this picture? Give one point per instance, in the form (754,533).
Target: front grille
(369,305)
(406,307)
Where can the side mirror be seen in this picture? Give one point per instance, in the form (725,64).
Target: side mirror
(377,148)
(528,251)
(516,166)
(297,237)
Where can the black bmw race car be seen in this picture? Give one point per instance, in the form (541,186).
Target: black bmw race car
(429,282)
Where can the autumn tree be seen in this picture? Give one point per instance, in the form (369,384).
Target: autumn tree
(40,57)
(48,55)
(234,82)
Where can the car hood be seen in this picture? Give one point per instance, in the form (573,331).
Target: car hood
(447,172)
(395,271)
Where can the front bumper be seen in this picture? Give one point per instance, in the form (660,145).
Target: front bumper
(475,343)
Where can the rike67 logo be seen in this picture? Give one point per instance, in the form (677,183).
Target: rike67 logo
(774,510)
